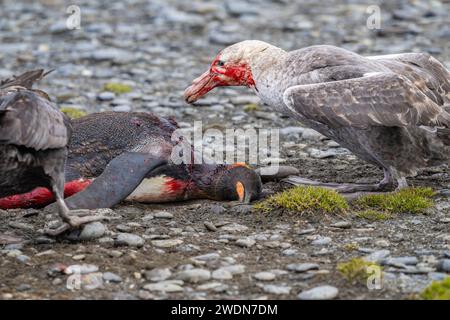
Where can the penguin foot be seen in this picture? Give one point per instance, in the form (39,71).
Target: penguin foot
(341,188)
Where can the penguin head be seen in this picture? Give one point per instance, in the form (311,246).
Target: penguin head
(236,182)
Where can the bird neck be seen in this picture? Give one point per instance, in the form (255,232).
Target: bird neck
(266,67)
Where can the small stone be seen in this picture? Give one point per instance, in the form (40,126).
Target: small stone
(264,276)
(276,289)
(444,265)
(281,172)
(209,286)
(377,256)
(302,267)
(319,293)
(306,231)
(148,217)
(194,275)
(111,277)
(217,210)
(289,252)
(106,96)
(158,274)
(210,226)
(129,239)
(234,269)
(234,227)
(342,225)
(163,215)
(400,261)
(80,269)
(92,231)
(167,243)
(79,257)
(321,241)
(246,242)
(165,286)
(221,274)
(207,257)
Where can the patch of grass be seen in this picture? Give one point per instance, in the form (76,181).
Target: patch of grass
(373,215)
(251,107)
(351,246)
(355,270)
(308,200)
(73,113)
(117,88)
(408,200)
(437,290)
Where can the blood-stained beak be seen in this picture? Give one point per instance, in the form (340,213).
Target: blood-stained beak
(201,86)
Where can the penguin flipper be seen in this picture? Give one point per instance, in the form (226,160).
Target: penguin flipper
(119,179)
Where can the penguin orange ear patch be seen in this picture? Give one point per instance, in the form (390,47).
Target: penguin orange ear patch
(240,191)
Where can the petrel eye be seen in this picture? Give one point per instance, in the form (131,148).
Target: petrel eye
(220,63)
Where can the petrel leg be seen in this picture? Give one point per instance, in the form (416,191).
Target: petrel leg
(119,179)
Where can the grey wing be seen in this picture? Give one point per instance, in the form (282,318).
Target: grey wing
(377,99)
(29,120)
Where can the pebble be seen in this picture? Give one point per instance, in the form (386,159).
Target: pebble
(276,289)
(111,277)
(281,172)
(92,231)
(210,226)
(80,269)
(129,239)
(167,243)
(222,274)
(194,275)
(234,269)
(246,242)
(319,293)
(342,225)
(377,256)
(395,261)
(321,241)
(264,276)
(165,286)
(302,267)
(158,274)
(163,215)
(207,257)
(443,265)
(217,210)
(106,96)
(234,227)
(289,252)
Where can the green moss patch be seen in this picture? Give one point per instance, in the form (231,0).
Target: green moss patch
(409,200)
(251,107)
(117,88)
(73,113)
(308,200)
(355,270)
(373,215)
(437,290)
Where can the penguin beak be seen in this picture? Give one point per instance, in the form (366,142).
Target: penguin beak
(243,195)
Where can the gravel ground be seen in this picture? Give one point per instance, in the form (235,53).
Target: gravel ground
(204,249)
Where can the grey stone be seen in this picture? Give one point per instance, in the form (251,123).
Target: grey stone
(158,274)
(129,239)
(194,275)
(302,267)
(319,293)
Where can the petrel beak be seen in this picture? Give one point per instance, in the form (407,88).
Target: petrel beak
(200,86)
